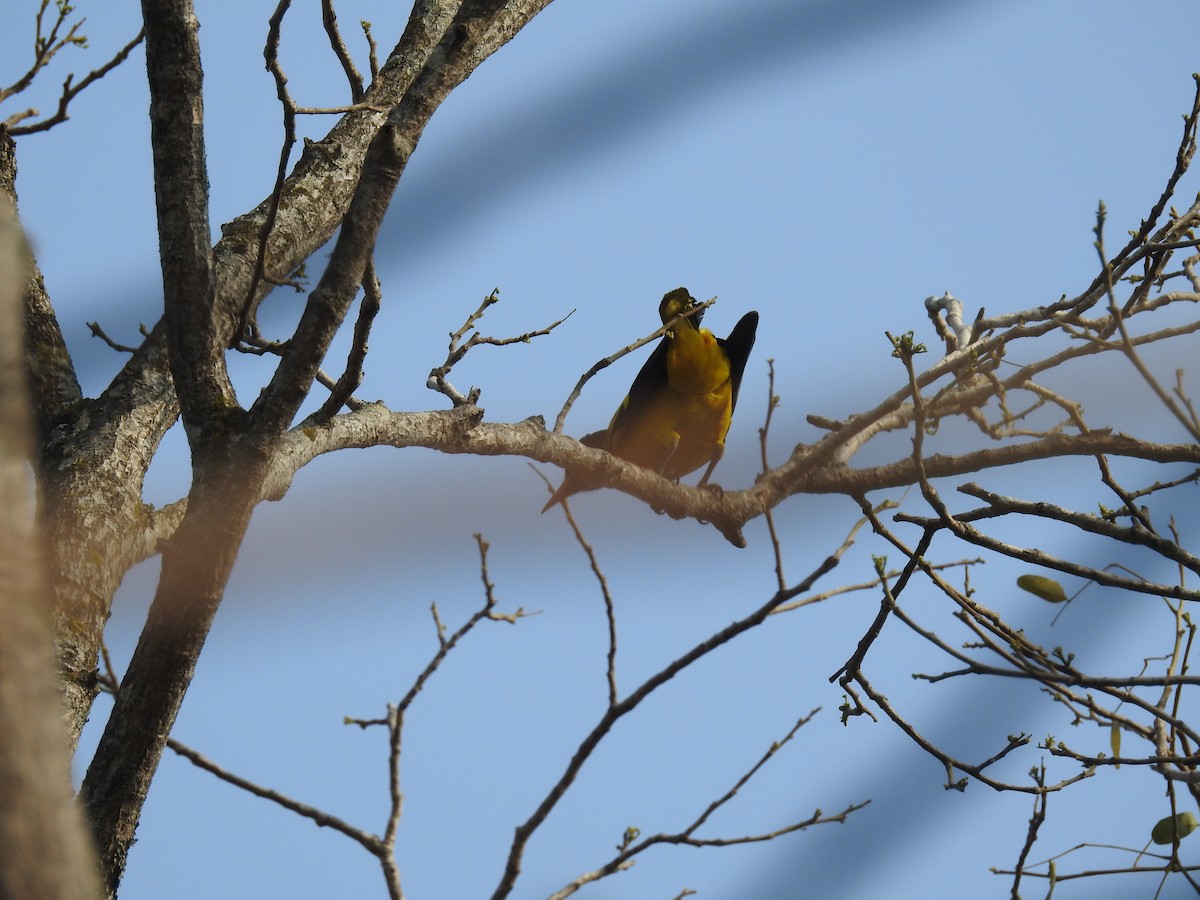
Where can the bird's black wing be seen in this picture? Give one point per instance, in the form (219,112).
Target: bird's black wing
(737,347)
(595,439)
(650,380)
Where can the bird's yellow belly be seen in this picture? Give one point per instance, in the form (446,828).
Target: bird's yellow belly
(678,432)
(702,422)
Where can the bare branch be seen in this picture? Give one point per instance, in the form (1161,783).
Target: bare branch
(46,47)
(352,377)
(609,608)
(772,402)
(319,817)
(1139,535)
(1035,823)
(1189,422)
(457,350)
(69,91)
(452,60)
(631,847)
(329,19)
(246,325)
(614,713)
(97,331)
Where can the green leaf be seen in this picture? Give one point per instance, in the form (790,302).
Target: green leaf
(1181,824)
(1041,586)
(1114,741)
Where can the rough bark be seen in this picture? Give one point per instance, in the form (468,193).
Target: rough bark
(44,847)
(200,555)
(94,453)
(232,448)
(91,457)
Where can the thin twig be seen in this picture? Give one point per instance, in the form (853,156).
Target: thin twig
(99,332)
(613,714)
(1035,822)
(458,349)
(372,50)
(352,375)
(868,585)
(631,847)
(246,326)
(772,403)
(319,817)
(45,50)
(609,608)
(561,419)
(329,19)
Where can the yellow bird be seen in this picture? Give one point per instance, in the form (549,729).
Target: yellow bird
(678,410)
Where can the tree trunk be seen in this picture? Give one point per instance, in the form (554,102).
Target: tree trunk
(44,848)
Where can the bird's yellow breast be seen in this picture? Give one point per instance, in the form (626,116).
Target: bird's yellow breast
(684,424)
(696,364)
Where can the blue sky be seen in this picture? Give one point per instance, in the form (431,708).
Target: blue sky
(828,164)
